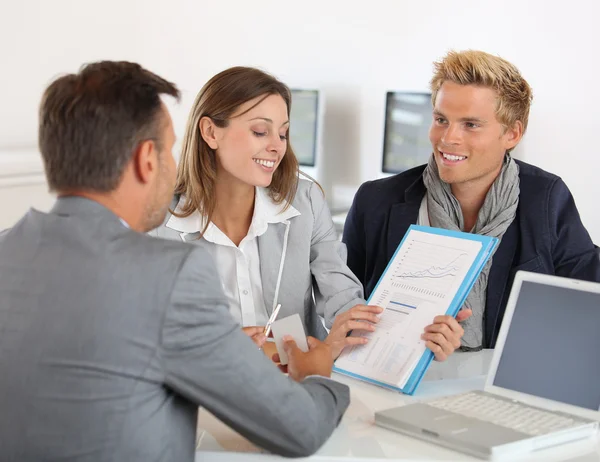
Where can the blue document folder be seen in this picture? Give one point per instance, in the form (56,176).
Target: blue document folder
(488,245)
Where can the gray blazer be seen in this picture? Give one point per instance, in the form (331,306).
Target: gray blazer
(299,258)
(111,339)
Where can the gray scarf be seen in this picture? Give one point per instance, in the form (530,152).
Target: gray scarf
(497,213)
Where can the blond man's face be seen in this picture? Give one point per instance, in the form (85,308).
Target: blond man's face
(469,143)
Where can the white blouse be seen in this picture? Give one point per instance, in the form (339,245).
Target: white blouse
(239,266)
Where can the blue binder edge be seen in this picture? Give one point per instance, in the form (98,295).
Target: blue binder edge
(488,244)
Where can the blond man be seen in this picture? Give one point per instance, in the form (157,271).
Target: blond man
(471,183)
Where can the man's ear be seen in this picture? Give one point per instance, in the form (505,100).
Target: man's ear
(145,161)
(208,132)
(513,135)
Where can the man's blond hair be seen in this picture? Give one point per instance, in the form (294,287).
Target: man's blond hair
(481,69)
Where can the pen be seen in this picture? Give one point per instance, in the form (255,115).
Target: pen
(272,320)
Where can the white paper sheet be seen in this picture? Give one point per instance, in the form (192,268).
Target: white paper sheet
(292,325)
(419,284)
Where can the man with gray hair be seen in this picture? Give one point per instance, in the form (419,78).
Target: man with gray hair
(110,339)
(471,183)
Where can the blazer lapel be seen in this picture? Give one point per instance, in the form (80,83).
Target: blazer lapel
(190,237)
(403,214)
(270,249)
(401,217)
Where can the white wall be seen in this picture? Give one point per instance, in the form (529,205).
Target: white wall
(22,185)
(355,53)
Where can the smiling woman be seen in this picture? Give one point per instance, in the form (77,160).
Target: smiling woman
(270,234)
(250,146)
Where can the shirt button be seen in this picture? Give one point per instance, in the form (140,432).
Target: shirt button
(245,292)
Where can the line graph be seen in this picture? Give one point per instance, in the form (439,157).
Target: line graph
(436,272)
(428,269)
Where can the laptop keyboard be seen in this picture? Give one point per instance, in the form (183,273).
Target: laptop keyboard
(506,413)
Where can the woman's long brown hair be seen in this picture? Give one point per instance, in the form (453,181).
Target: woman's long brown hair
(219,99)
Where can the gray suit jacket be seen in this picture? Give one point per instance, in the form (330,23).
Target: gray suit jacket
(305,256)
(111,339)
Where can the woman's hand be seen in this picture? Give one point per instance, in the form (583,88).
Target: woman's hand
(256,333)
(360,317)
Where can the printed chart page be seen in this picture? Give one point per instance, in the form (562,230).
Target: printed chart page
(419,284)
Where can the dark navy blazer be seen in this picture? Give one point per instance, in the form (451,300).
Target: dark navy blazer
(547,235)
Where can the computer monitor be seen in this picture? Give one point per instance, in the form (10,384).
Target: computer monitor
(406,137)
(304,128)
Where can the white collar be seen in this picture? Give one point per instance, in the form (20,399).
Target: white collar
(265,211)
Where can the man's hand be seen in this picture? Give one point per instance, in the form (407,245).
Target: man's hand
(256,333)
(360,317)
(443,336)
(317,361)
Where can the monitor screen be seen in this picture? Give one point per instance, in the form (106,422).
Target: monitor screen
(551,349)
(304,120)
(406,140)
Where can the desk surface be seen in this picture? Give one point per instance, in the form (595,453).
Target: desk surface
(357,438)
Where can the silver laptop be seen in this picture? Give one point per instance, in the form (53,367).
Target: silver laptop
(543,386)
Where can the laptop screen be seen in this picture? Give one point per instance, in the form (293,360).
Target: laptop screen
(552,349)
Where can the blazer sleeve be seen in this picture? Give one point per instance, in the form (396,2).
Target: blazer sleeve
(354,237)
(210,362)
(573,252)
(336,288)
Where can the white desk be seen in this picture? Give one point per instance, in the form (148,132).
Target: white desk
(358,439)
